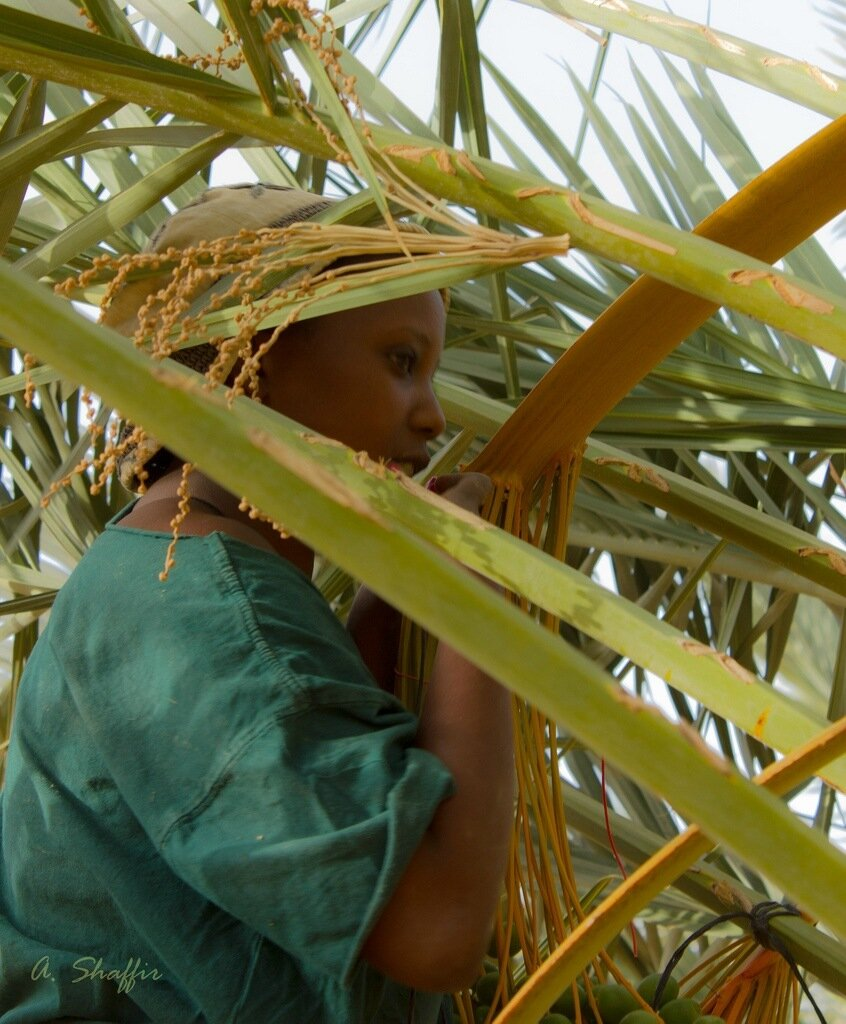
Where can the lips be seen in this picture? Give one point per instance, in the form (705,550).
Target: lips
(408,467)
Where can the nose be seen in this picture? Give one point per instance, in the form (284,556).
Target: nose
(429,417)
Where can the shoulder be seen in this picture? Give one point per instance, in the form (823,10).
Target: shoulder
(240,531)
(230,603)
(158,520)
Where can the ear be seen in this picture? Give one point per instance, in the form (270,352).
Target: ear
(273,359)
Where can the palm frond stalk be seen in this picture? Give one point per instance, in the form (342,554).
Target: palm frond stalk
(698,458)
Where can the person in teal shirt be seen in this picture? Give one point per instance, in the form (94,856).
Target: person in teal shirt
(215,808)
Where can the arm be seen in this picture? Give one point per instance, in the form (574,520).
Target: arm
(434,930)
(375,628)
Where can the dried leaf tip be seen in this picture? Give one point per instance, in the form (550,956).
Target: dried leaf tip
(835,560)
(720,42)
(818,75)
(699,650)
(464,160)
(792,294)
(636,471)
(540,190)
(416,154)
(594,220)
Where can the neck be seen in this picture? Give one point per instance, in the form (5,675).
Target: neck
(225,504)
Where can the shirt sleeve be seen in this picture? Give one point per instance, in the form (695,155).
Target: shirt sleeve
(308,828)
(247,737)
(312,809)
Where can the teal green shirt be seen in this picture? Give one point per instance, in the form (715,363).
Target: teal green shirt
(208,799)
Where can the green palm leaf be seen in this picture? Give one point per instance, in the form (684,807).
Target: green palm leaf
(711,497)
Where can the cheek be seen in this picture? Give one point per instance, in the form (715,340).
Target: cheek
(291,373)
(342,389)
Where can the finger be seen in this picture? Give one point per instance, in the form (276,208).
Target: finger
(439,484)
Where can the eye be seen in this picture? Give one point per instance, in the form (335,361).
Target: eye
(405,359)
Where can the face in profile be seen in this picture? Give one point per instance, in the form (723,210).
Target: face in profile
(364,376)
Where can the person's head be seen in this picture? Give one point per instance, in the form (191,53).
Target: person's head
(362,376)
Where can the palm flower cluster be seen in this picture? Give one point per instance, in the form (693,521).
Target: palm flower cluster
(223,292)
(588,461)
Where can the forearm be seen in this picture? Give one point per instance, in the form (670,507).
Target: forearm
(434,929)
(436,926)
(467,723)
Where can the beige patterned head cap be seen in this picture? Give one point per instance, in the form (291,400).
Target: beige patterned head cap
(218,213)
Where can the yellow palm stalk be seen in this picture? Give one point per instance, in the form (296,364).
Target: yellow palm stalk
(766,219)
(538,451)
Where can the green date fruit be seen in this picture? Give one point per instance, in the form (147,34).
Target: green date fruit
(514,946)
(614,1002)
(555,1018)
(485,988)
(639,1017)
(647,988)
(680,1011)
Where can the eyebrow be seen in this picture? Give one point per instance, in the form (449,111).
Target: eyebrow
(420,336)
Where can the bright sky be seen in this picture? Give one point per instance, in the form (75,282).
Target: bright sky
(530,46)
(533,48)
